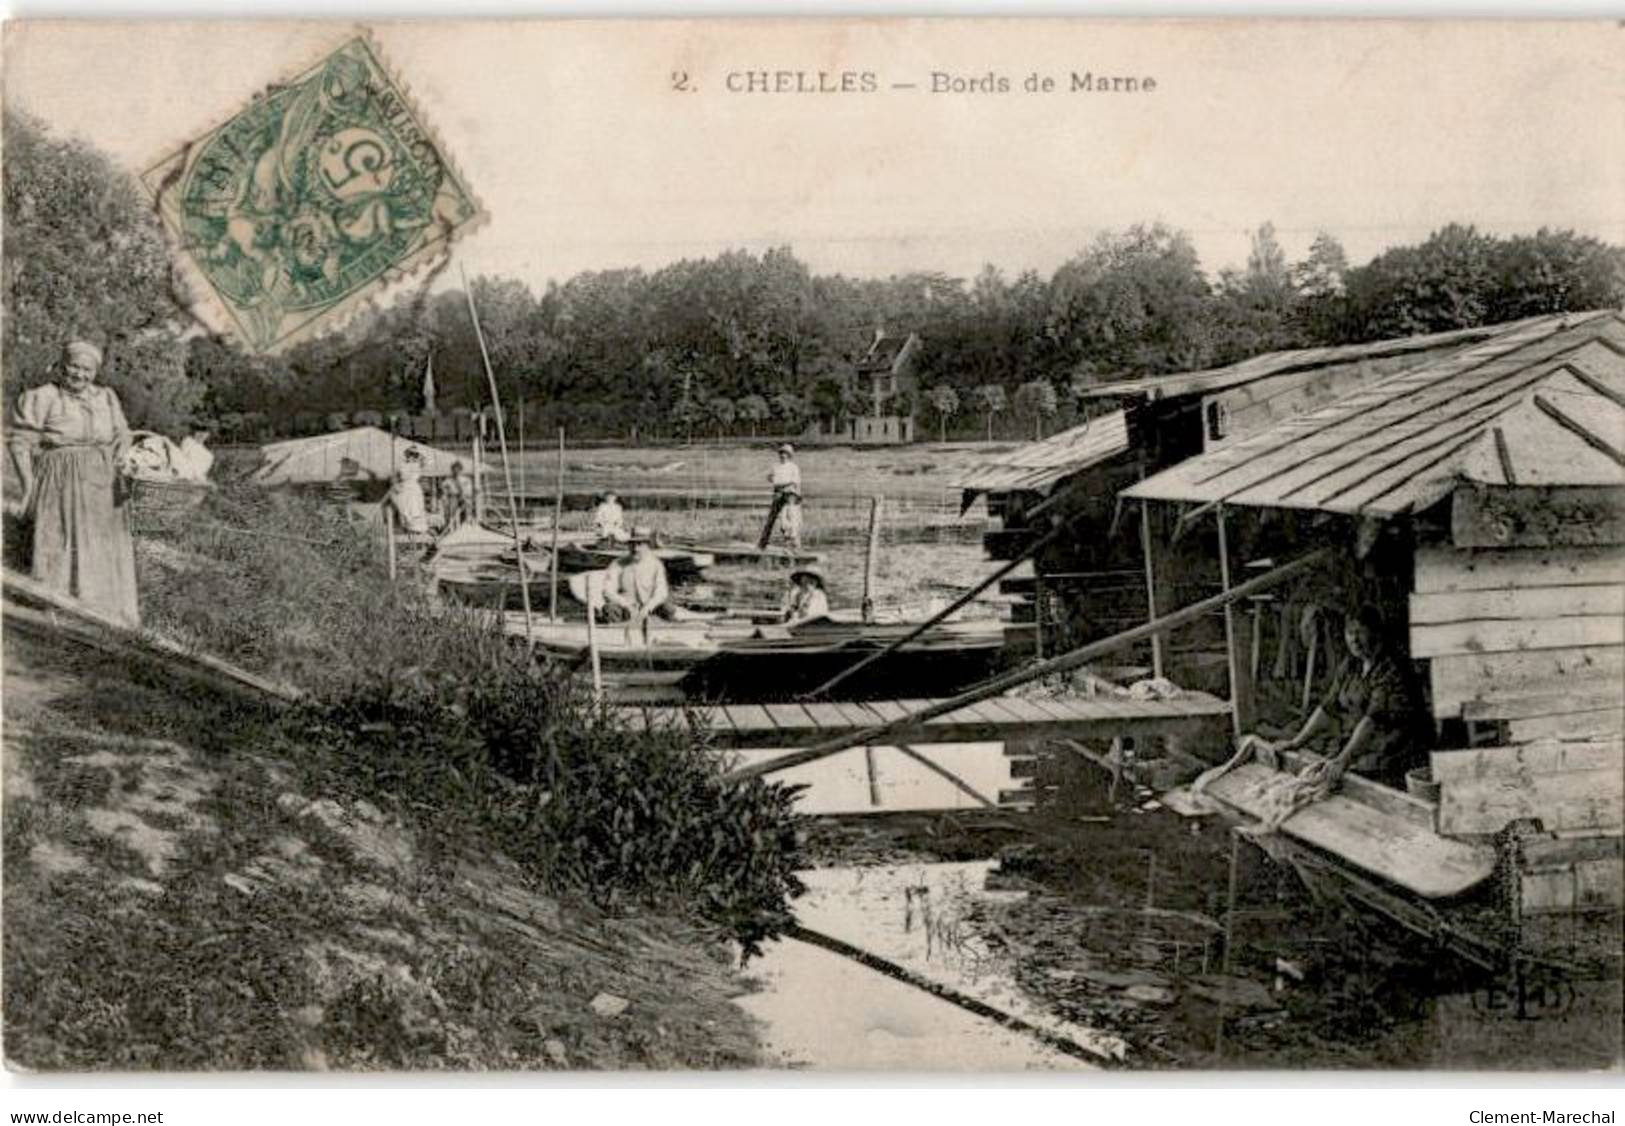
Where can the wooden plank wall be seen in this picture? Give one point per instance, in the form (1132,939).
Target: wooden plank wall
(1503,627)
(1567,786)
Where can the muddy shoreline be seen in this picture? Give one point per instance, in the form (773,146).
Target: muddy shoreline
(1121,930)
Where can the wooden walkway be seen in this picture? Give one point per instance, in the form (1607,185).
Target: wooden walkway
(761,726)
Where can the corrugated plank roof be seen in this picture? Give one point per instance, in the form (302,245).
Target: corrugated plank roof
(1254,368)
(1402,442)
(1038,465)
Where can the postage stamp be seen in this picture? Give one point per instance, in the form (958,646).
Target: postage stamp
(310,199)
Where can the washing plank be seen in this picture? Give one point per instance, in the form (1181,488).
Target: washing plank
(1399,851)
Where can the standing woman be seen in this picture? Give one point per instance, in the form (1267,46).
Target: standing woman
(67,441)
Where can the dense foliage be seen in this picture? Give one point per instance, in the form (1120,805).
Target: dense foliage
(741,343)
(84,256)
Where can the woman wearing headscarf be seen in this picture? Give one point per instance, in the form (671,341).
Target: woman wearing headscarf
(67,441)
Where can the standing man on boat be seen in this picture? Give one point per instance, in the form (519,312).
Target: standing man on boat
(785,478)
(635,586)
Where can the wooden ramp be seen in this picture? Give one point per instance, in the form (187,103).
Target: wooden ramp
(765,726)
(1385,844)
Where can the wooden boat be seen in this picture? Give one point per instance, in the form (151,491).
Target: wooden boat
(710,658)
(744,551)
(681,564)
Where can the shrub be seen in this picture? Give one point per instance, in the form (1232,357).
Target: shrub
(435,707)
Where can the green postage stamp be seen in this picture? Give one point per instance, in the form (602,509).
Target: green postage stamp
(310,199)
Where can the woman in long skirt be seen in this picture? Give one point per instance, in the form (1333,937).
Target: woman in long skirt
(67,441)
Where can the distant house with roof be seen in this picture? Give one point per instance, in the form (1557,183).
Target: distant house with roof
(881,378)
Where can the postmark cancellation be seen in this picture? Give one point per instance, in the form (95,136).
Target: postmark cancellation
(311,198)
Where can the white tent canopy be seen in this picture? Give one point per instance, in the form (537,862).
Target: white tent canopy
(363,453)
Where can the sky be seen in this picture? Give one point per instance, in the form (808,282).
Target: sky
(586,157)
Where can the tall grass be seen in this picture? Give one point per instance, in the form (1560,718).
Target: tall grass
(436,708)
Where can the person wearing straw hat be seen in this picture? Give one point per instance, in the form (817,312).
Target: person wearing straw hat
(806,600)
(67,442)
(785,478)
(635,585)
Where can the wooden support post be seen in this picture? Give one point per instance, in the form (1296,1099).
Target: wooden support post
(1309,670)
(389,536)
(874,781)
(522,491)
(869,558)
(959,783)
(1241,690)
(474,452)
(1038,611)
(592,638)
(558,519)
(1147,546)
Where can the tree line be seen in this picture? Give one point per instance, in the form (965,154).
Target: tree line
(740,343)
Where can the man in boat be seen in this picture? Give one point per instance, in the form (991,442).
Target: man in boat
(635,586)
(785,477)
(806,600)
(608,518)
(1369,721)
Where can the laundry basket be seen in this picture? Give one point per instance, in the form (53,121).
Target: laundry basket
(158,505)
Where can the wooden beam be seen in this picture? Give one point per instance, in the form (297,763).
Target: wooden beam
(1519,602)
(1569,725)
(68,617)
(1563,785)
(959,783)
(1241,689)
(1494,677)
(1147,547)
(1445,570)
(1067,661)
(1492,636)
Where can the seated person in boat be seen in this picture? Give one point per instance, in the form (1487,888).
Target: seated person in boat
(457,494)
(635,585)
(791,520)
(609,519)
(1369,720)
(805,601)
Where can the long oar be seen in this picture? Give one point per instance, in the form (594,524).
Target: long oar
(1000,685)
(507,472)
(936,619)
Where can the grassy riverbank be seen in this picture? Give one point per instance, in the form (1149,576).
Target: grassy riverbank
(443,860)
